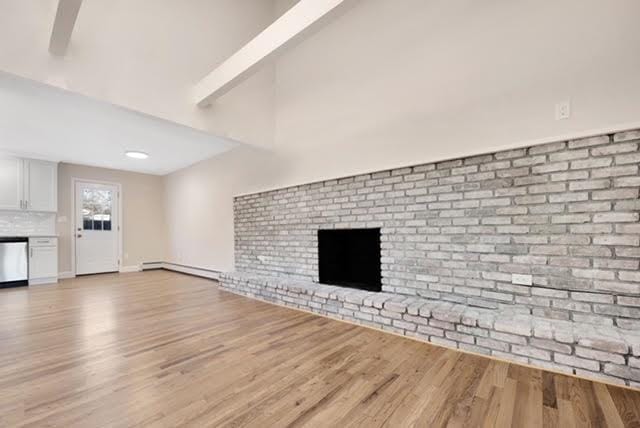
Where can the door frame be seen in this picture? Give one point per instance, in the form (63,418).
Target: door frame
(74,181)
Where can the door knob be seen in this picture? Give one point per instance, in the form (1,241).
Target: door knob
(79,235)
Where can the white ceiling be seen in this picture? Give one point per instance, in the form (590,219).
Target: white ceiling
(145,56)
(40,121)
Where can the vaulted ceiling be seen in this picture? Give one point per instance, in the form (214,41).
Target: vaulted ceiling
(144,56)
(365,77)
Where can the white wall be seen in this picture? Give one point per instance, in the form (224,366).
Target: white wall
(393,83)
(198,205)
(397,83)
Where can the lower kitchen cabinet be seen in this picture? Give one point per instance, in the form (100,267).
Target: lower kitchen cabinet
(43,260)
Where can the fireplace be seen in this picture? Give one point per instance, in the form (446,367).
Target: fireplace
(350,258)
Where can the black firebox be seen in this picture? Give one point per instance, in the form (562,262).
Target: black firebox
(350,258)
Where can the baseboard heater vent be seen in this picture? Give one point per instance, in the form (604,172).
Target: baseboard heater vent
(189,270)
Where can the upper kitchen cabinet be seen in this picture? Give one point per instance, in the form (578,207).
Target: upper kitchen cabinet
(40,185)
(11,183)
(28,185)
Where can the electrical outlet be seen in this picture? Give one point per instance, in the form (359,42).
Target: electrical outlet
(563,110)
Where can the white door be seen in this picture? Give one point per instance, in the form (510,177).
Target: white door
(11,186)
(41,185)
(97,226)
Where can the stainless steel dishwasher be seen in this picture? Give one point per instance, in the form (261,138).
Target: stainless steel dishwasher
(14,267)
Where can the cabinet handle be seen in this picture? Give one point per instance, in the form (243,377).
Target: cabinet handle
(31,251)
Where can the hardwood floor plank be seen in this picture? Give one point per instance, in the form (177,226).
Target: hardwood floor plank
(162,349)
(507,405)
(609,409)
(627,405)
(586,409)
(565,414)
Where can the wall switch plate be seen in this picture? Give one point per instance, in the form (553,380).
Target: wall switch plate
(521,279)
(563,110)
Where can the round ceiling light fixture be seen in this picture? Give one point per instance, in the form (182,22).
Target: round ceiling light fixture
(134,154)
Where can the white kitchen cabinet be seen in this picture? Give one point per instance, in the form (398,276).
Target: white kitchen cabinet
(43,260)
(11,183)
(28,185)
(41,185)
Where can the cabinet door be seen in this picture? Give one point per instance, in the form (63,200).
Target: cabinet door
(43,262)
(11,184)
(41,185)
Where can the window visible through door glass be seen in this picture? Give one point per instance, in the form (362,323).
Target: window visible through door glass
(96,209)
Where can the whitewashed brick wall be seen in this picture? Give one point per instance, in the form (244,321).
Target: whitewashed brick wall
(566,213)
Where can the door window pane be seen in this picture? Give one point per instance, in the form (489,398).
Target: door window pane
(97,205)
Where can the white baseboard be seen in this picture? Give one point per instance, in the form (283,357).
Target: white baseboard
(66,275)
(190,270)
(206,273)
(43,281)
(127,269)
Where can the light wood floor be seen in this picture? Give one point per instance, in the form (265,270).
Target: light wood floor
(163,349)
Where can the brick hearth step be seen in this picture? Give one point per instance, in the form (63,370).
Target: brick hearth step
(593,351)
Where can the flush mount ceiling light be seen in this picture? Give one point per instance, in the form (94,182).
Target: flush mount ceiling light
(136,154)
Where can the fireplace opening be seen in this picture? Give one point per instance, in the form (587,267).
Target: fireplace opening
(350,258)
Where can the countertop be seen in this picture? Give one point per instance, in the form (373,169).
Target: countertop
(22,235)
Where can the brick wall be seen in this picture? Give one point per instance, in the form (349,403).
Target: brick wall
(565,213)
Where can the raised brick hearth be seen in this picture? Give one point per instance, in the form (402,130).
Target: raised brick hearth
(453,234)
(596,352)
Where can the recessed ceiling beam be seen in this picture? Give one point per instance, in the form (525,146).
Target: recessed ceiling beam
(63,25)
(274,38)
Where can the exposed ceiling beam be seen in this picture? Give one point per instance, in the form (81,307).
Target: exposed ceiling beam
(63,25)
(274,38)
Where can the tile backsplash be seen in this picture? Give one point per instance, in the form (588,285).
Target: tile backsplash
(17,223)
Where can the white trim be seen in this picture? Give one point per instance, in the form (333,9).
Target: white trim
(127,269)
(75,180)
(466,154)
(63,25)
(66,275)
(43,281)
(205,273)
(284,31)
